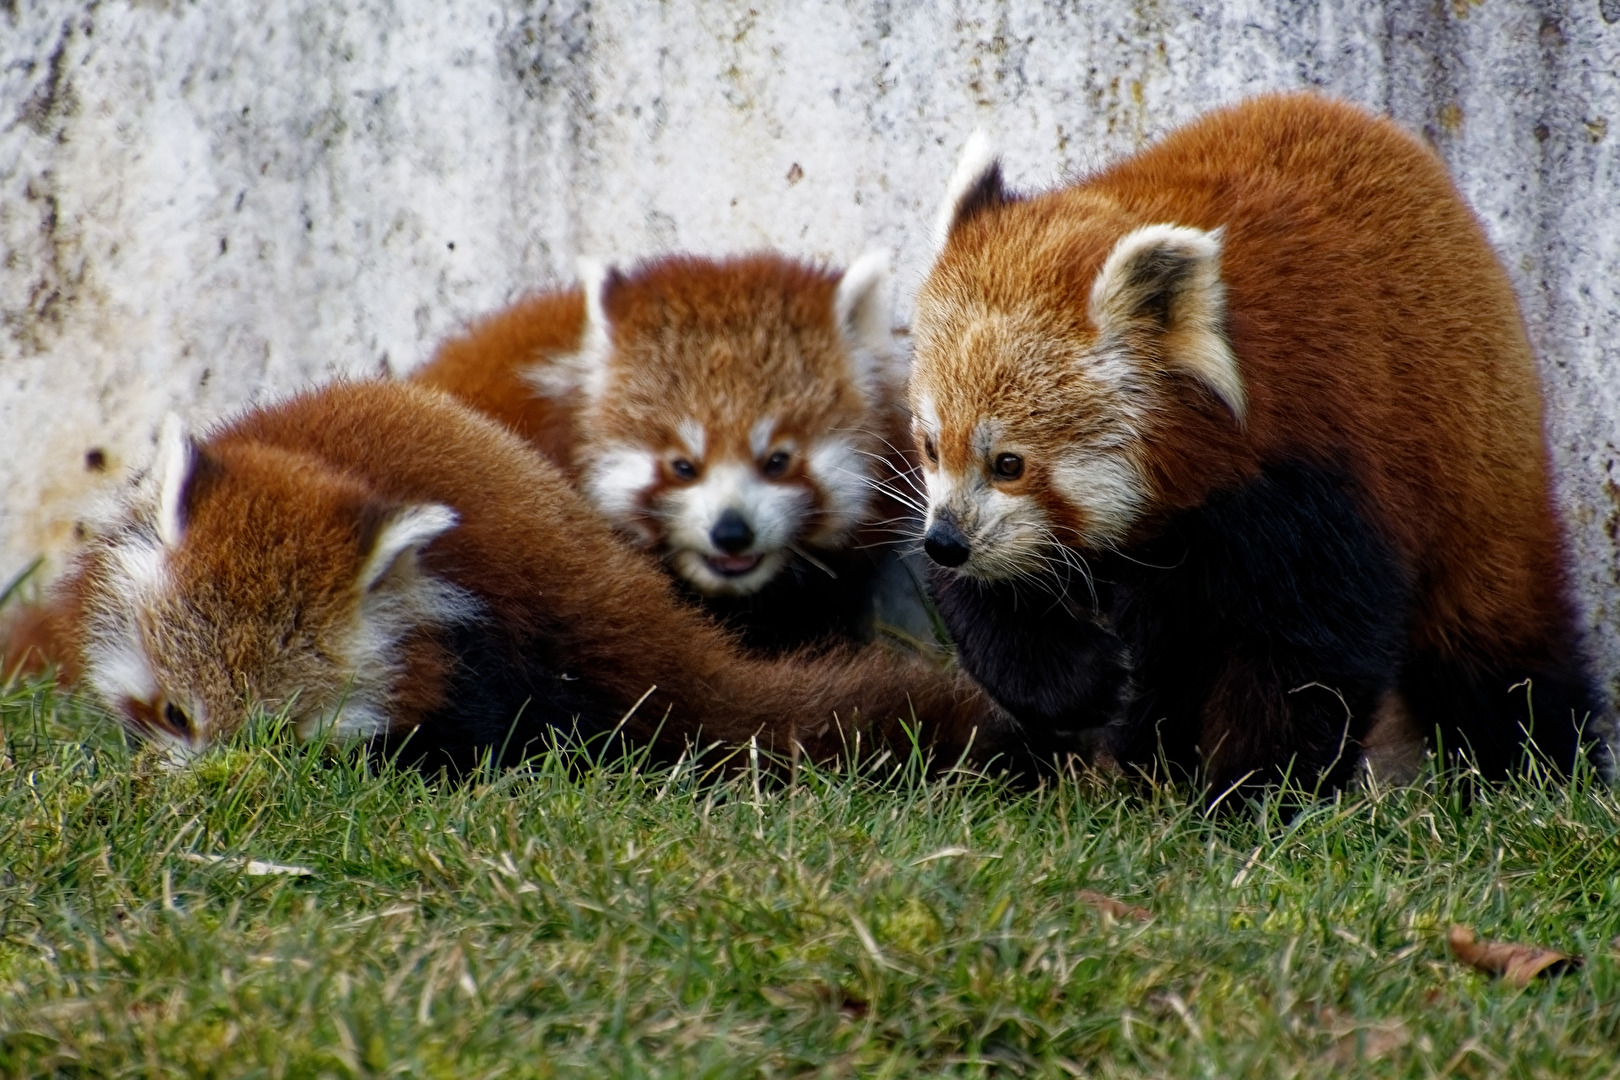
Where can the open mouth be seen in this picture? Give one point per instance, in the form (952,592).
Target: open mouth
(732,565)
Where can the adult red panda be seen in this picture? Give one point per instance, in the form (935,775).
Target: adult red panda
(735,417)
(376,559)
(1266,389)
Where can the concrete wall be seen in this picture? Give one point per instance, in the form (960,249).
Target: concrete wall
(203,204)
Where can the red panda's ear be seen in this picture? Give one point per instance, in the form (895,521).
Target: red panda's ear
(585,369)
(974,187)
(861,310)
(1166,280)
(181,469)
(398,538)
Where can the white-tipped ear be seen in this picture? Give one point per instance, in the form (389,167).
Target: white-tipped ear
(975,184)
(1166,280)
(861,308)
(593,275)
(400,538)
(862,303)
(176,460)
(584,369)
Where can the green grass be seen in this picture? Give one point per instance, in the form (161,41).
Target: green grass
(863,922)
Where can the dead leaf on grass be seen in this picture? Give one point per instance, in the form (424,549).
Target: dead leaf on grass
(1117,909)
(1362,1041)
(1511,962)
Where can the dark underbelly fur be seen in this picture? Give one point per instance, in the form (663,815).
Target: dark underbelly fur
(509,702)
(803,605)
(1252,639)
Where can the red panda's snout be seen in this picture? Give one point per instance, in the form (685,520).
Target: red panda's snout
(1009,500)
(730,524)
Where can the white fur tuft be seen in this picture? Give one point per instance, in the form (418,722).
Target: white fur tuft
(410,531)
(176,457)
(978,157)
(1186,262)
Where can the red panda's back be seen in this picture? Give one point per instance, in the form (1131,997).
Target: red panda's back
(1374,326)
(486,368)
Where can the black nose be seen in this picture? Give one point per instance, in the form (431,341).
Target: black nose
(731,533)
(945,543)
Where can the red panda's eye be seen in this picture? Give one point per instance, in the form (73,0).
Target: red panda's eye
(776,464)
(930,449)
(1009,466)
(683,469)
(177,719)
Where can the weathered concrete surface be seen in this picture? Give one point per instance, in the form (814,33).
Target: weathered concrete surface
(203,204)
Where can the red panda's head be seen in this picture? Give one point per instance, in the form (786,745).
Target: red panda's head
(730,408)
(240,576)
(1055,340)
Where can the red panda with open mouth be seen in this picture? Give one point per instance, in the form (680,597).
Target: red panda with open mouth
(1236,445)
(739,418)
(384,564)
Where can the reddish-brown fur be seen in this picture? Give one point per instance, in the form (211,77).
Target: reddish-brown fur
(281,513)
(35,638)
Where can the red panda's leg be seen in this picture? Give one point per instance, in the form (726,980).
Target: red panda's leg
(1492,712)
(1057,670)
(1273,631)
(1258,730)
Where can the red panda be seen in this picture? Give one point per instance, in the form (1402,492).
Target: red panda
(377,560)
(1237,442)
(736,417)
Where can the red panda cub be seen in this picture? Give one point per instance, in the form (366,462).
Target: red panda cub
(382,562)
(1236,445)
(734,417)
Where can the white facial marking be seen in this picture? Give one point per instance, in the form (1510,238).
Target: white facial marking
(759,436)
(774,513)
(843,474)
(693,438)
(618,478)
(1107,488)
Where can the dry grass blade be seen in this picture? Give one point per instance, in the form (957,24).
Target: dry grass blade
(250,867)
(1117,909)
(1511,962)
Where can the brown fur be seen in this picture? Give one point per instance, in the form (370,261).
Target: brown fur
(259,596)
